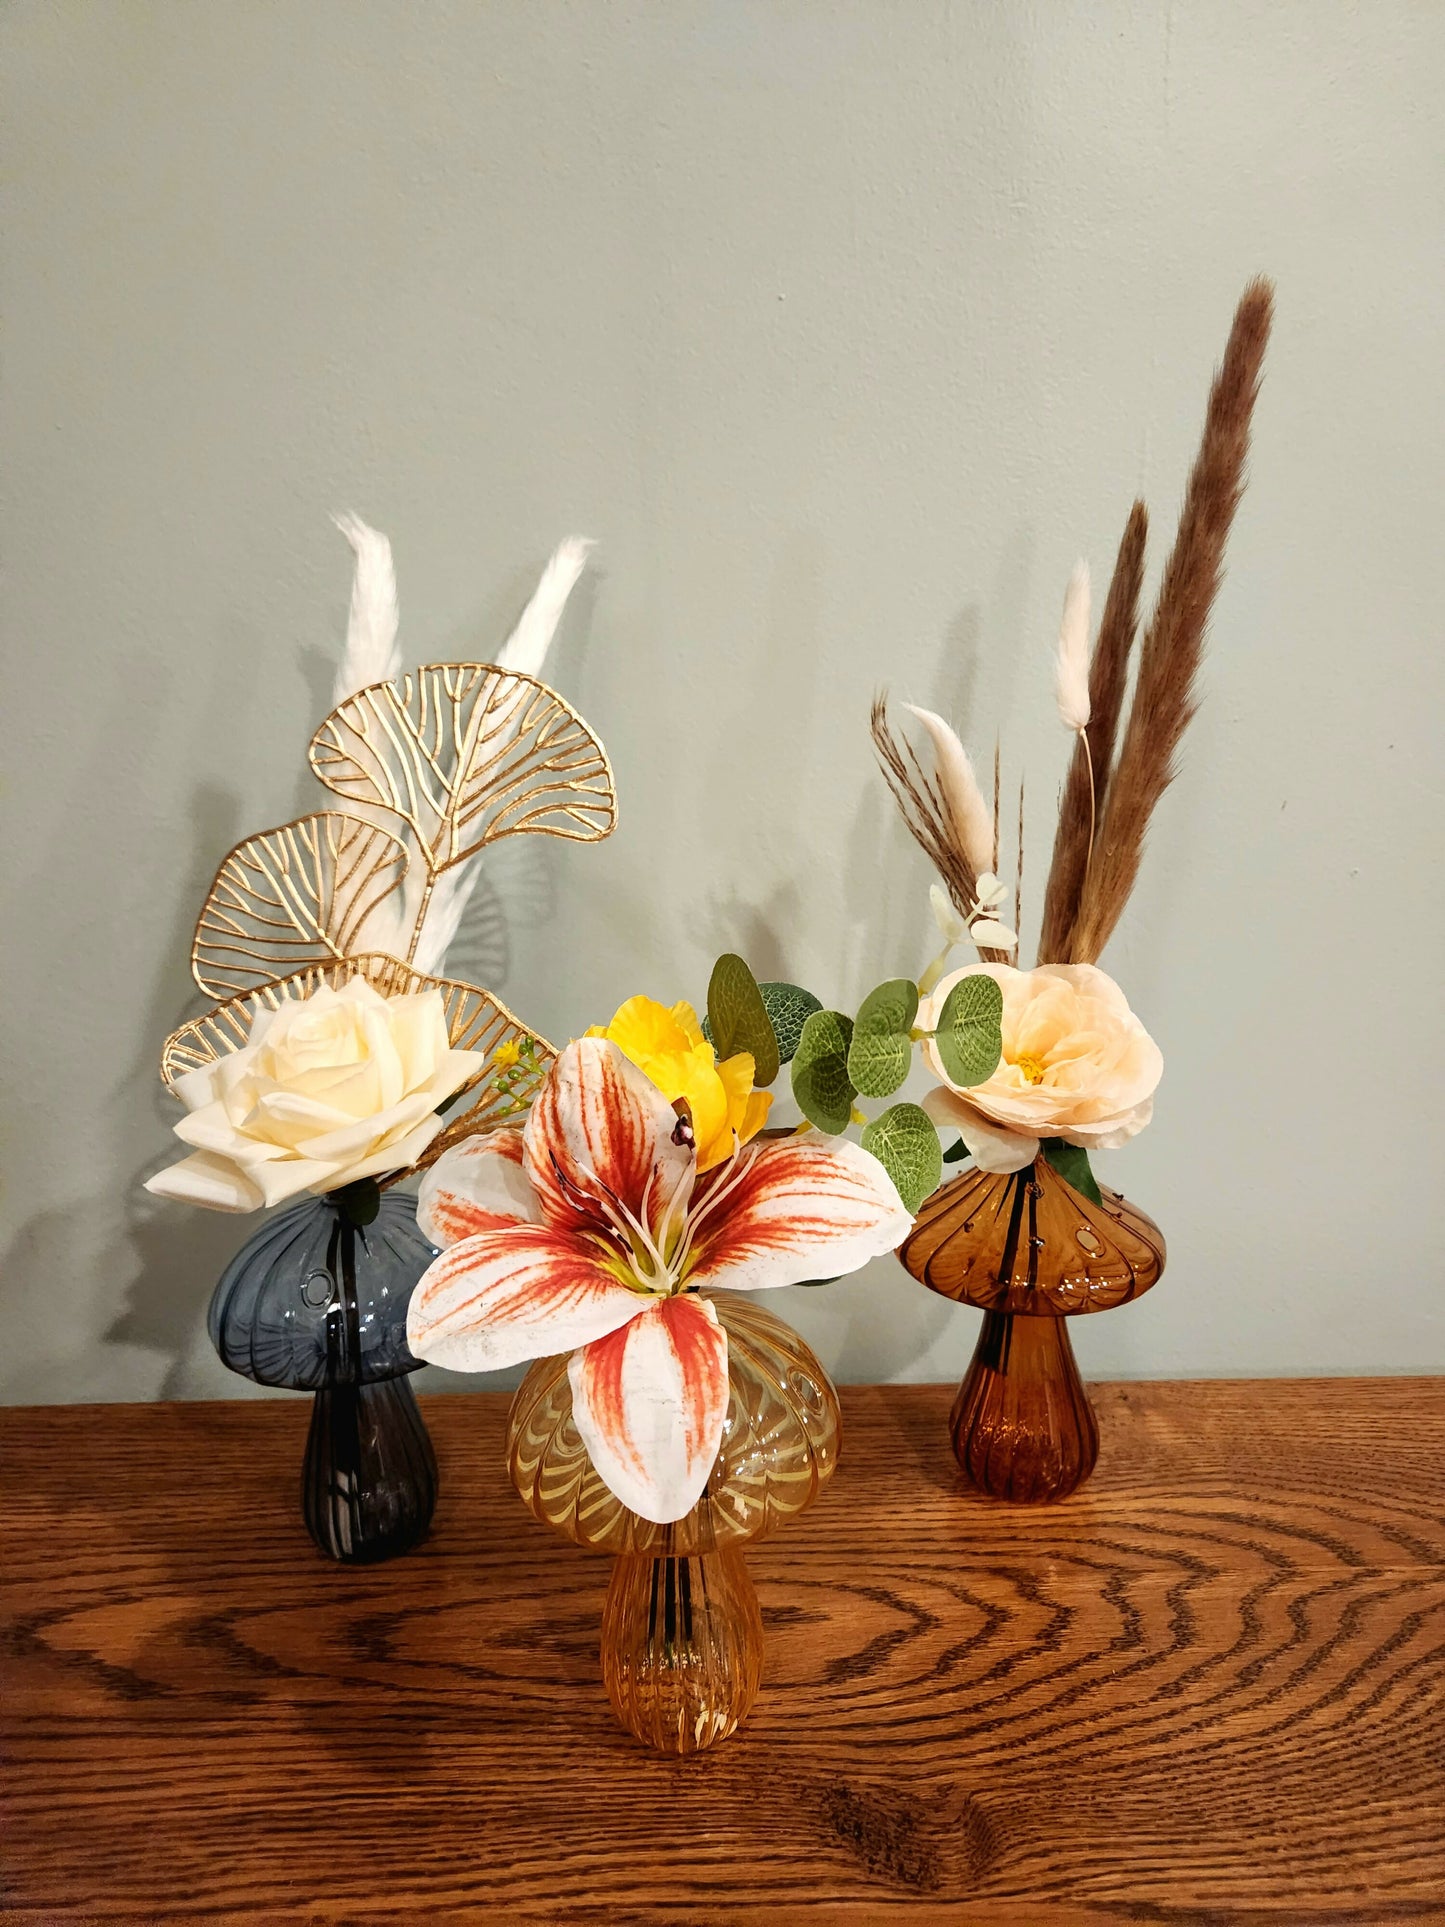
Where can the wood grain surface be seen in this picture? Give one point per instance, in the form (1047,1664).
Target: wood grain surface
(1207,1688)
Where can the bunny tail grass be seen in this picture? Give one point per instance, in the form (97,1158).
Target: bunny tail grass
(1108,678)
(929,810)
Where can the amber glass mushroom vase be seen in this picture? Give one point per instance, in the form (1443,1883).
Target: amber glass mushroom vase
(1029,1251)
(682,1637)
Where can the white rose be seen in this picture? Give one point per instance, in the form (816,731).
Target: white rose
(1076,1064)
(340,1085)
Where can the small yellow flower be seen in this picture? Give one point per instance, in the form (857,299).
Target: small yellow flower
(507,1053)
(668,1046)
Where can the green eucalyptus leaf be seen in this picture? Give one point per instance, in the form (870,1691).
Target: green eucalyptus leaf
(738,1018)
(905,1143)
(969,1038)
(789,1007)
(882,1048)
(821,1084)
(1071,1161)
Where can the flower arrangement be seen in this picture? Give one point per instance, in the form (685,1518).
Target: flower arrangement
(1028,1234)
(323,1073)
(602,1226)
(619,1240)
(334,1050)
(1077,1070)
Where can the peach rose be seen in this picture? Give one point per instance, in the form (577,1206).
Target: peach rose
(1076,1064)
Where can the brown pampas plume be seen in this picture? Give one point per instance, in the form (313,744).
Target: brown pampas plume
(1108,678)
(1164,691)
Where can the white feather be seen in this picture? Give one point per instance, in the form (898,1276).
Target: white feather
(371,652)
(449,899)
(525,650)
(1071,676)
(370,656)
(971,817)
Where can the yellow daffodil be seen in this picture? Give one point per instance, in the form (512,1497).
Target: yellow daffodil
(667,1046)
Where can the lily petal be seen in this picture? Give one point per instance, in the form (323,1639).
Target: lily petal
(507,1296)
(649,1403)
(598,1132)
(799,1209)
(478,1185)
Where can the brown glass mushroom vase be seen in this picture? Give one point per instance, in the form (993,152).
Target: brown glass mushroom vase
(1029,1251)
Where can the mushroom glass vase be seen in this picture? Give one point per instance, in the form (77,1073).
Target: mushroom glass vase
(682,1637)
(1030,1252)
(317,1303)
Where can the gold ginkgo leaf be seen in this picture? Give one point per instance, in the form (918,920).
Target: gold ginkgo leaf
(516,1057)
(304,893)
(465,753)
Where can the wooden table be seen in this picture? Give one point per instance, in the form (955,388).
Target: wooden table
(1209,1687)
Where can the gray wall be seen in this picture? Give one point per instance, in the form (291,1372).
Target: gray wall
(844,327)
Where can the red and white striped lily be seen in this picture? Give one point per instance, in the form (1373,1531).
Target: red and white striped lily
(590,1231)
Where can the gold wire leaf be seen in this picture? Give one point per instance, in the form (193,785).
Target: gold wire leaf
(465,753)
(475,1021)
(296,895)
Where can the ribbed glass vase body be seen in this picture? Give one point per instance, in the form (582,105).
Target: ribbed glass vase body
(278,1315)
(1022,1424)
(1029,1251)
(681,1631)
(369,1479)
(316,1303)
(779,1446)
(682,1647)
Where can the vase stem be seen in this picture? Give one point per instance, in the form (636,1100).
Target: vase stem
(1022,1424)
(369,1481)
(682,1642)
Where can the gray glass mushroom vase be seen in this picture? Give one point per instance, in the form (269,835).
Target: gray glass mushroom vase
(316,1302)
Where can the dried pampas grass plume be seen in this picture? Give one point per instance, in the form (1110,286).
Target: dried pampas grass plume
(1081,800)
(1165,693)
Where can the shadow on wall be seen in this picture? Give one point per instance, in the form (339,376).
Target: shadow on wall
(876,913)
(151,1264)
(163,1260)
